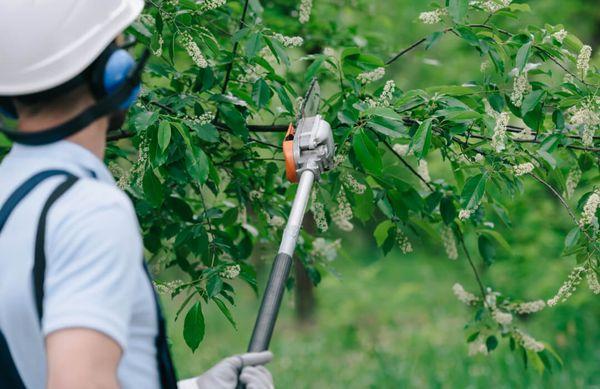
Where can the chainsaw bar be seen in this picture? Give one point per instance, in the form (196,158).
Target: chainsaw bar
(312,101)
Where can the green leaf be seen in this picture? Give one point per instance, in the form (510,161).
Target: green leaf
(486,249)
(531,101)
(153,189)
(432,39)
(496,237)
(234,120)
(366,152)
(253,45)
(473,191)
(421,141)
(382,231)
(214,285)
(197,164)
(448,210)
(491,343)
(261,93)
(458,9)
(226,312)
(164,135)
(523,56)
(194,327)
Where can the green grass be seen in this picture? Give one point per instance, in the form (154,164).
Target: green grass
(393,322)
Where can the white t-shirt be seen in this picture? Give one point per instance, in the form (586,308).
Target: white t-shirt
(94,270)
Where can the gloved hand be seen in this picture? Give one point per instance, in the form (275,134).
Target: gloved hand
(224,375)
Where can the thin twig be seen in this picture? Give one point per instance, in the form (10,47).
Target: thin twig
(461,238)
(412,170)
(235,49)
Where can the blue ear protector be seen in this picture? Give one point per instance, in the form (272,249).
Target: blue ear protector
(114,79)
(110,71)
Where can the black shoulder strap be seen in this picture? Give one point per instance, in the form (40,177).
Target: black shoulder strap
(39,264)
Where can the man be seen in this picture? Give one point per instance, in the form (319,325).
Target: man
(77,308)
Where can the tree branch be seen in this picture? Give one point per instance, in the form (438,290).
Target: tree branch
(235,49)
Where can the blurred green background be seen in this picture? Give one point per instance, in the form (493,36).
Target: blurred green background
(392,322)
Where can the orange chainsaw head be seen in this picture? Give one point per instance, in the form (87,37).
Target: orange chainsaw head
(288,153)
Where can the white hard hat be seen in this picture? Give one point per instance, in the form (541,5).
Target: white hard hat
(45,43)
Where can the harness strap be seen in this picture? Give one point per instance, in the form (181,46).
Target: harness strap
(39,264)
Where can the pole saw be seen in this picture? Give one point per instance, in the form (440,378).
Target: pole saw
(308,150)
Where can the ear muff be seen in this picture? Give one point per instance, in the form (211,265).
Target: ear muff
(110,71)
(7,108)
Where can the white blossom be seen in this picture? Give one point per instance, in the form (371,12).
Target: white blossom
(567,289)
(499,136)
(492,6)
(158,52)
(423,170)
(289,41)
(465,214)
(523,168)
(560,35)
(586,117)
(449,241)
(230,272)
(433,17)
(355,186)
(503,318)
(305,11)
(588,216)
(583,59)
(520,87)
(479,158)
(573,179)
(209,5)
(371,76)
(529,342)
(592,279)
(318,210)
(276,221)
(194,51)
(403,242)
(205,118)
(325,249)
(387,95)
(343,215)
(530,307)
(402,150)
(256,194)
(485,65)
(478,346)
(167,287)
(463,296)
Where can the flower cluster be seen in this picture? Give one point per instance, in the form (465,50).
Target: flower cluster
(371,76)
(586,117)
(205,118)
(167,287)
(478,346)
(573,179)
(560,35)
(523,168)
(492,6)
(158,52)
(289,41)
(275,221)
(353,185)
(230,272)
(209,5)
(305,11)
(499,136)
(583,59)
(423,170)
(528,342)
(318,210)
(343,215)
(464,296)
(256,194)
(402,150)
(520,87)
(592,279)
(588,216)
(502,318)
(449,241)
(465,214)
(194,51)
(529,307)
(403,242)
(385,98)
(433,17)
(567,289)
(327,250)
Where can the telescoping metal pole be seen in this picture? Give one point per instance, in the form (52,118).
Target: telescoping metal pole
(267,316)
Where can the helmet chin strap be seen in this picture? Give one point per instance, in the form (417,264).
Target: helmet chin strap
(109,105)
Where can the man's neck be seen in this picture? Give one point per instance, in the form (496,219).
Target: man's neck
(92,137)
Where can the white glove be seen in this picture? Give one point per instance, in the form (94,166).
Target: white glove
(224,375)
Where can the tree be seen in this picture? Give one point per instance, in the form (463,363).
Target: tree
(225,81)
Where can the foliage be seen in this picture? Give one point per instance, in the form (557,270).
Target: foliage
(207,178)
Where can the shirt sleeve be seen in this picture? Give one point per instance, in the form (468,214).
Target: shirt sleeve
(94,256)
